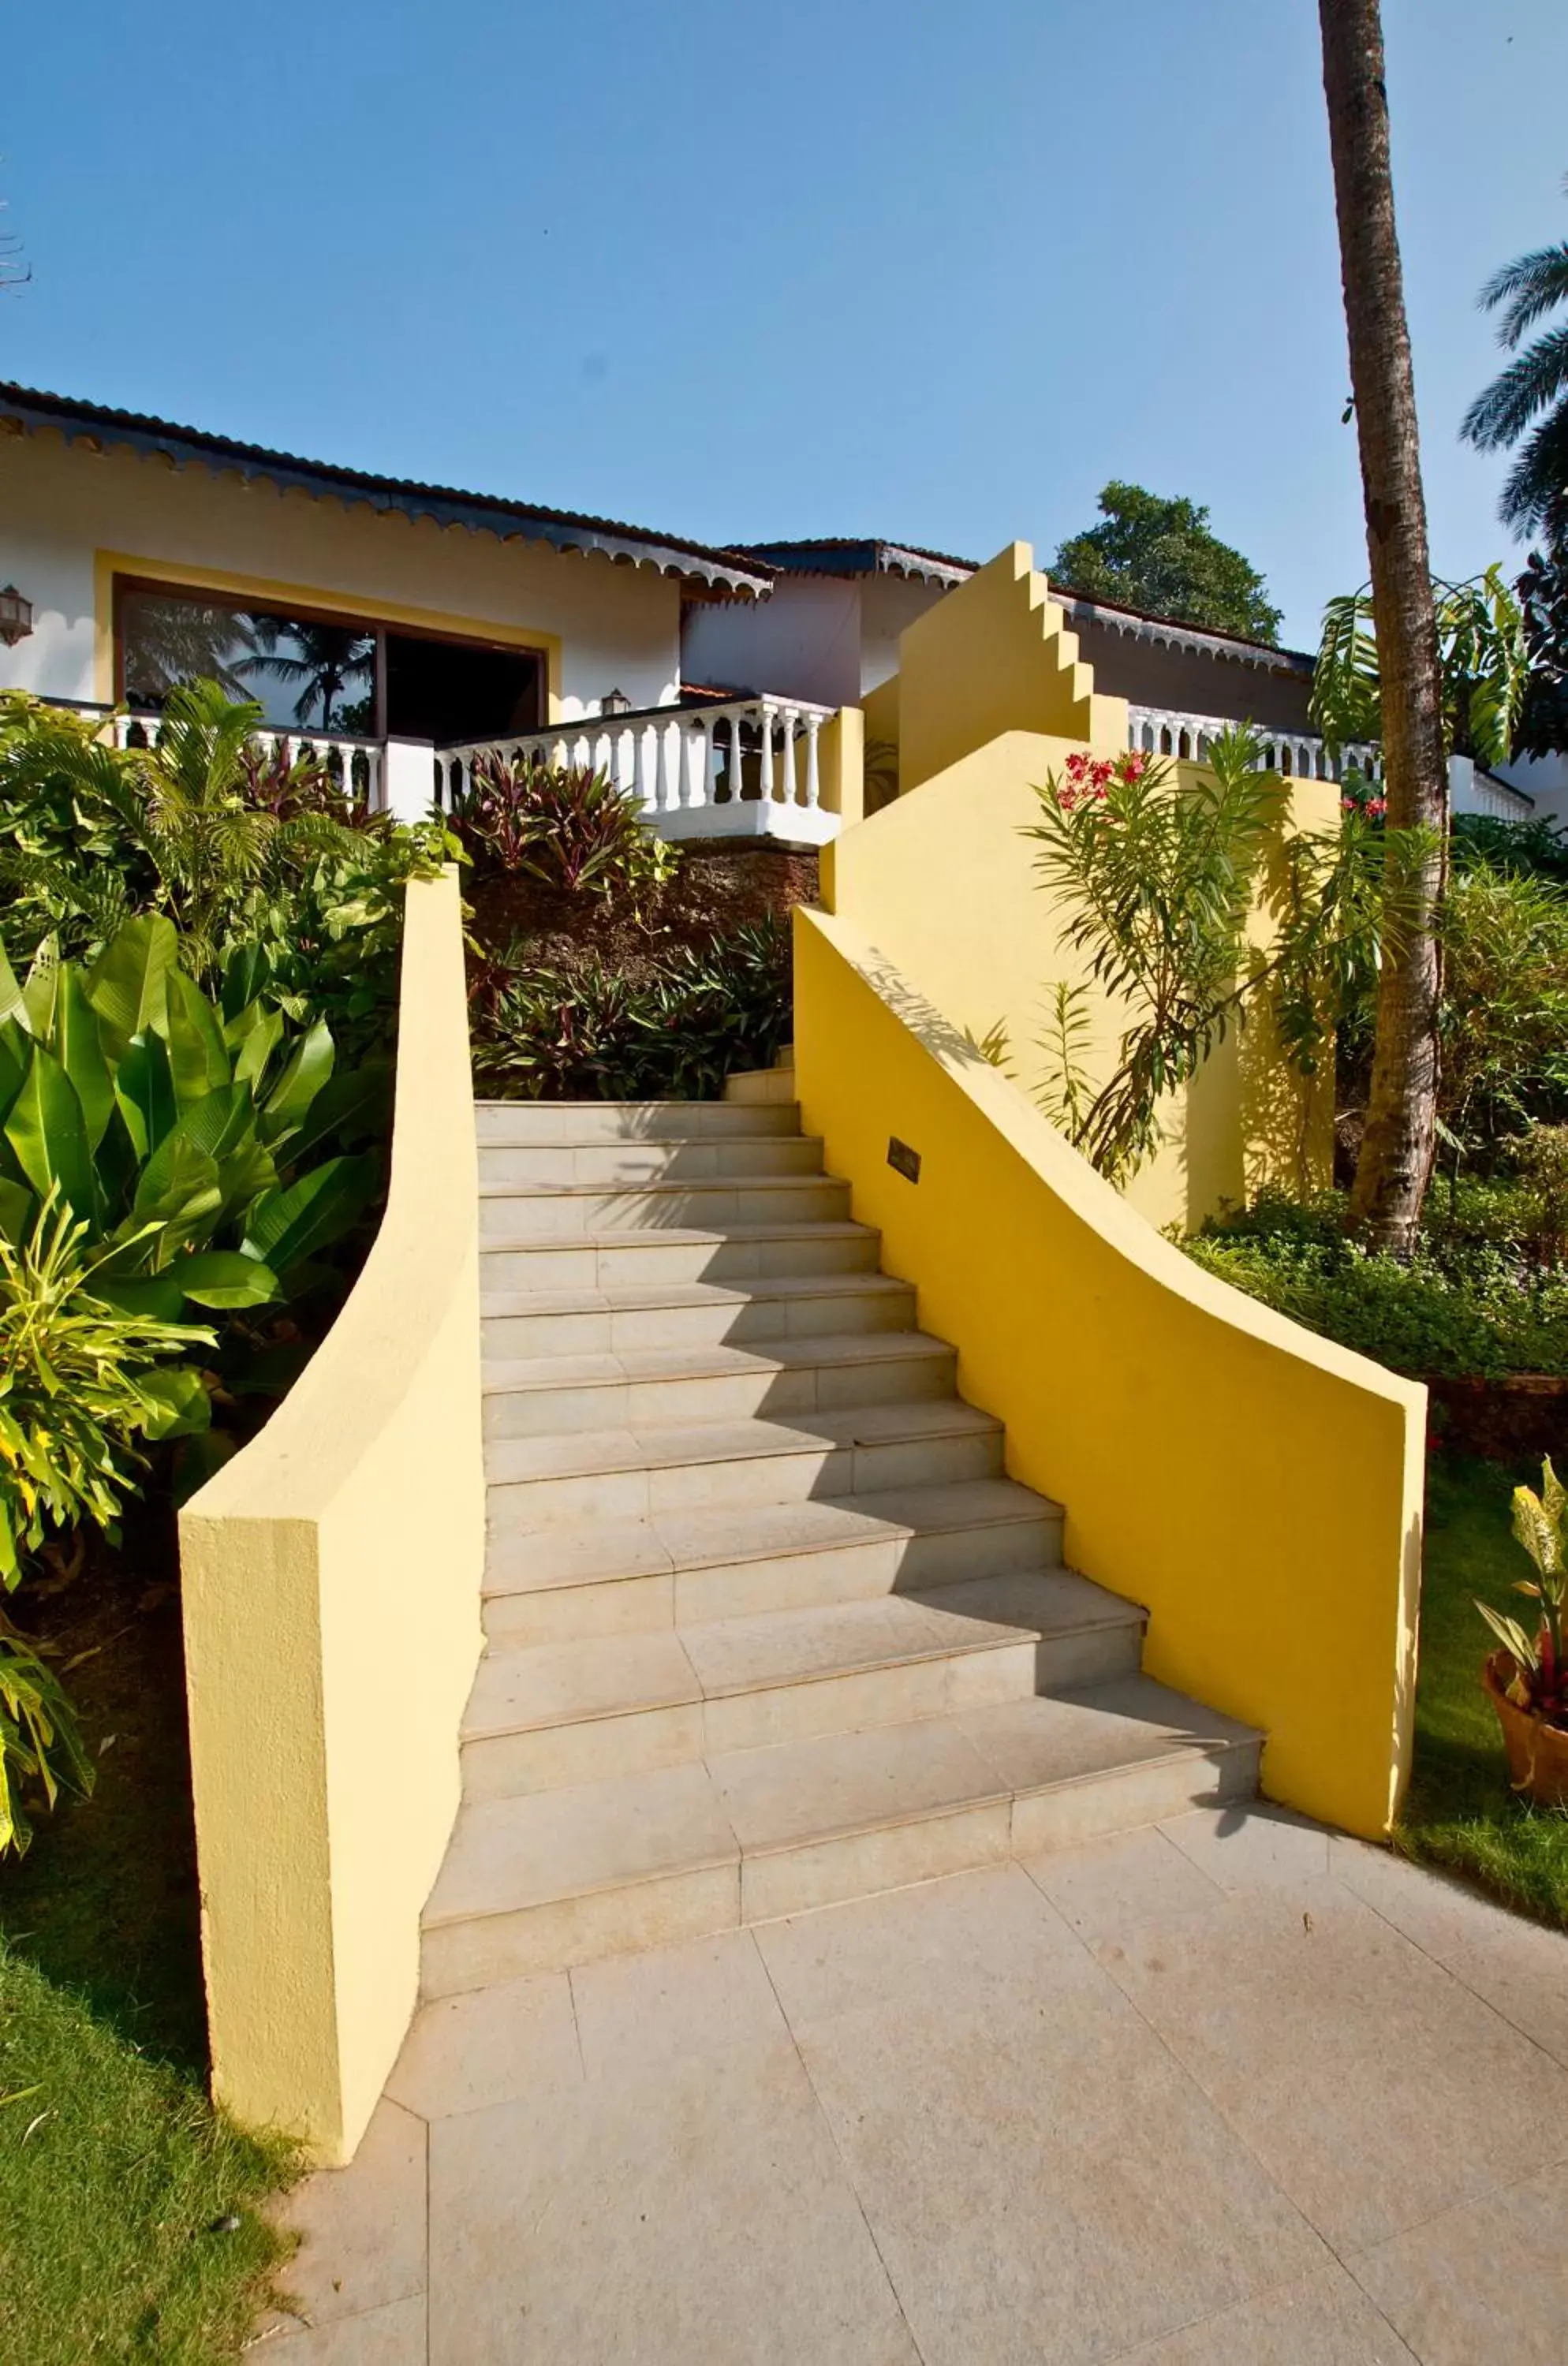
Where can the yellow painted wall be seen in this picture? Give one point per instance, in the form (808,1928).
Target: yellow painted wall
(332,1580)
(841,765)
(944,884)
(1256,1488)
(994,654)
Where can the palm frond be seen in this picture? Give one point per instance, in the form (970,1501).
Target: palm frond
(1502,410)
(1526,290)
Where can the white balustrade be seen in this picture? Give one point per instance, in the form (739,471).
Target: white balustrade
(735,768)
(356,765)
(1299,755)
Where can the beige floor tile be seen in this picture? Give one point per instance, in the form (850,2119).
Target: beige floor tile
(1323,2320)
(1366,2080)
(1520,1968)
(1252,1845)
(956,1941)
(1486,2283)
(361,2228)
(696,2214)
(806,1790)
(394,2335)
(635,2011)
(1123,1884)
(1041,2180)
(513,1852)
(466,2052)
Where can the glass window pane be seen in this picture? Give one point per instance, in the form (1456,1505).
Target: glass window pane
(302,673)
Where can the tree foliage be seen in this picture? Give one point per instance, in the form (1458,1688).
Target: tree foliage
(1543,595)
(1482,655)
(1158,554)
(1525,409)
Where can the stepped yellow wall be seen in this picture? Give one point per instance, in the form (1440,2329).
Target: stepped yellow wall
(943,882)
(1256,1488)
(331,1580)
(989,699)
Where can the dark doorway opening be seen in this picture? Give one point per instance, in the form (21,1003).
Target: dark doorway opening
(455,691)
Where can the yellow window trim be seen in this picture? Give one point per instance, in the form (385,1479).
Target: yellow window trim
(108,564)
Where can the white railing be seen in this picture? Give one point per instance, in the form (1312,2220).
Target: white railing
(353,764)
(734,768)
(1299,755)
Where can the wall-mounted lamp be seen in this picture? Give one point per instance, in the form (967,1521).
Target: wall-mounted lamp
(16,616)
(614,702)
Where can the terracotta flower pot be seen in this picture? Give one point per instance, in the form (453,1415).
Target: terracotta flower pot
(1537,1753)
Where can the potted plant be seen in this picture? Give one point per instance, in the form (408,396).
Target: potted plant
(1527,1681)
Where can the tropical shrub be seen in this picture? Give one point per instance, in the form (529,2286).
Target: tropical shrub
(80,1381)
(208,827)
(1155,878)
(40,1744)
(205,1148)
(675,1031)
(571,826)
(1539,1679)
(80,1384)
(1474,1300)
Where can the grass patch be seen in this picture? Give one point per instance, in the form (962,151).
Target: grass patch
(114,2172)
(115,2182)
(1460,1812)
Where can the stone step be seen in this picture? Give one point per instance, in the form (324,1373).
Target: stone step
(555,1394)
(562,1211)
(549,1879)
(628,1317)
(679,1568)
(561,1714)
(534,1165)
(734,1253)
(629,1474)
(539,1121)
(760,1088)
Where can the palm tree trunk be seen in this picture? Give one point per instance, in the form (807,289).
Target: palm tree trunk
(1396,1162)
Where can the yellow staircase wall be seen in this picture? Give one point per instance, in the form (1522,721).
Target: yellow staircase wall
(1258,1489)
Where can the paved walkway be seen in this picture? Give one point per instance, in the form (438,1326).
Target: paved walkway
(1229,2092)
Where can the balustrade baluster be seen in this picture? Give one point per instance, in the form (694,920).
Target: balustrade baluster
(767,770)
(813,778)
(646,775)
(736,759)
(699,744)
(786,769)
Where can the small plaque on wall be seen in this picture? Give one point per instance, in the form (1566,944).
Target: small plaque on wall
(903,1160)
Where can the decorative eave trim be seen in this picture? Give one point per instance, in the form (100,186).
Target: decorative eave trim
(91,427)
(1159,631)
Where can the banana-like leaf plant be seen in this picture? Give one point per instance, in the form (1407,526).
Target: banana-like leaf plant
(1482,649)
(178,1130)
(1539,1682)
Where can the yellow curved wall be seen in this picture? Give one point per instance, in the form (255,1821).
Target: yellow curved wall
(1256,1488)
(331,1580)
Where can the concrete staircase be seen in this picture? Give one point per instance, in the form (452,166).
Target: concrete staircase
(768,1626)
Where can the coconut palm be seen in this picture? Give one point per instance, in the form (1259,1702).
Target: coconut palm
(1395,1164)
(320,661)
(1526,406)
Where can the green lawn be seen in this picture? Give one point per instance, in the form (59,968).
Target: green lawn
(116,2176)
(1460,1812)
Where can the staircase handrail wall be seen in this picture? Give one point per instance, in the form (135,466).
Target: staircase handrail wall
(332,1586)
(1258,1489)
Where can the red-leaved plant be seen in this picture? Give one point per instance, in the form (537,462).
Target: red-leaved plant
(569,826)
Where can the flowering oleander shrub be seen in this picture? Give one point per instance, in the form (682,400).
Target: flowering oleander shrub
(1154,876)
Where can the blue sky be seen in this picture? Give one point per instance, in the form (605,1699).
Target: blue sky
(848,266)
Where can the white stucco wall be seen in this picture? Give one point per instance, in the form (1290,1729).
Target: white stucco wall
(805,641)
(889,605)
(1544,778)
(617,626)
